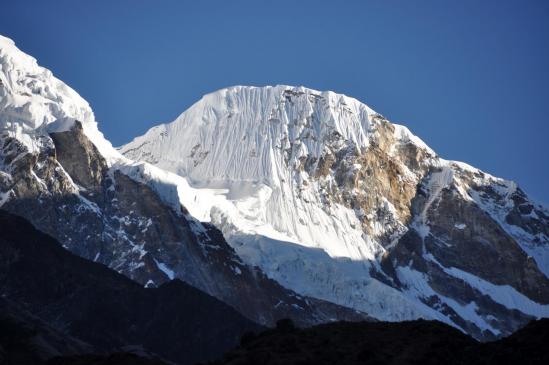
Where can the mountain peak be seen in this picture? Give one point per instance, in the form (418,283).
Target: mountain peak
(332,200)
(264,124)
(32,97)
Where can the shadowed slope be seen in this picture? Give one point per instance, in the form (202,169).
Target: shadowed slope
(413,342)
(107,310)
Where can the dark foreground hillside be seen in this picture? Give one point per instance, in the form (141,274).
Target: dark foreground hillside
(414,342)
(55,303)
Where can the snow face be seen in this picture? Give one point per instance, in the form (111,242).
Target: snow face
(219,126)
(242,146)
(437,181)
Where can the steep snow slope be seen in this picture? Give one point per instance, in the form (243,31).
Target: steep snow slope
(58,171)
(331,200)
(246,145)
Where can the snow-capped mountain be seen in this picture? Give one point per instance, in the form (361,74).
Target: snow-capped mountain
(333,201)
(280,201)
(58,171)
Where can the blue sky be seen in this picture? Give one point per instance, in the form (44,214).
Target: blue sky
(471,78)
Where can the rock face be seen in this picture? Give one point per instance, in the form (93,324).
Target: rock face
(58,171)
(335,202)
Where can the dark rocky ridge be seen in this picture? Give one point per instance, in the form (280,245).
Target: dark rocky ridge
(413,342)
(71,298)
(26,339)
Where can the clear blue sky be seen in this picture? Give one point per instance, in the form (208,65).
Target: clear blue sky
(471,78)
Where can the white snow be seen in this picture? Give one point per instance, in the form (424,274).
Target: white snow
(503,294)
(32,100)
(438,181)
(4,197)
(418,287)
(165,269)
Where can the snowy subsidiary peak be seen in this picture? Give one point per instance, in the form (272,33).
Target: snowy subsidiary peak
(34,103)
(32,98)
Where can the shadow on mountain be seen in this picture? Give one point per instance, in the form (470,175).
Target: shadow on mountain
(70,298)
